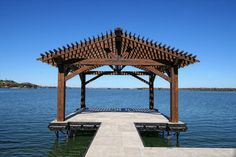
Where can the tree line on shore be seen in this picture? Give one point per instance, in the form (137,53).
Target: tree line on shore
(13,84)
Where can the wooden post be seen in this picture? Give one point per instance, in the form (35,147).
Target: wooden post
(61,94)
(174,115)
(151,92)
(82,99)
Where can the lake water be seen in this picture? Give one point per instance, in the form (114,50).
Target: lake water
(25,114)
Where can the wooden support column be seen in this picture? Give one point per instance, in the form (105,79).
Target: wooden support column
(83,86)
(61,93)
(174,114)
(151,92)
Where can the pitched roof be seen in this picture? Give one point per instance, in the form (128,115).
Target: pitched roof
(118,43)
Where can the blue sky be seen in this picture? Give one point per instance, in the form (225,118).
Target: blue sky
(206,28)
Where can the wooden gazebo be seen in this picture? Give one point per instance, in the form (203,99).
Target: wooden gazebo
(118,49)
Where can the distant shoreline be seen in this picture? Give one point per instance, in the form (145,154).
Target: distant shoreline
(14,85)
(190,89)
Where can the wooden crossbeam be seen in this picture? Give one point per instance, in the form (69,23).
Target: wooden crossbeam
(129,62)
(139,78)
(80,70)
(94,78)
(101,73)
(117,73)
(157,72)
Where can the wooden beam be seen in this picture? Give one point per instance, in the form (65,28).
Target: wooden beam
(118,68)
(83,92)
(151,91)
(139,78)
(174,115)
(130,62)
(157,72)
(178,61)
(118,40)
(80,70)
(94,78)
(112,55)
(71,61)
(111,72)
(58,60)
(122,67)
(61,94)
(117,73)
(111,67)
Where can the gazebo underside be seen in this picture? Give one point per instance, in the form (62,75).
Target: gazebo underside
(117,50)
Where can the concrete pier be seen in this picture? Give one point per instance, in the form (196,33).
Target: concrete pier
(117,136)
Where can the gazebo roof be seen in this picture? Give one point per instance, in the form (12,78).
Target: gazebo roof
(118,45)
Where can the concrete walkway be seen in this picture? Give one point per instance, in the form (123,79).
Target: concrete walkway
(118,137)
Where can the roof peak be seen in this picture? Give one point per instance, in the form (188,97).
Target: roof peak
(118,31)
